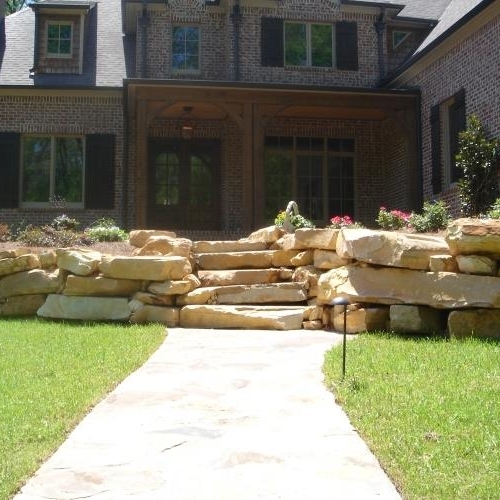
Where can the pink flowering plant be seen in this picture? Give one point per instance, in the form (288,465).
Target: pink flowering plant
(340,221)
(393,219)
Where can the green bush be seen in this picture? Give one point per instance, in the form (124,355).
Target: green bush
(297,221)
(64,222)
(434,217)
(48,236)
(392,219)
(478,160)
(4,232)
(106,230)
(494,211)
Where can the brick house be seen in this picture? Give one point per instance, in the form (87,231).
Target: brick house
(207,117)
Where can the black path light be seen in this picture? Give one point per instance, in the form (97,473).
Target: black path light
(342,301)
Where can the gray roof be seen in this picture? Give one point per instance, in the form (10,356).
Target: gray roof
(454,11)
(104,55)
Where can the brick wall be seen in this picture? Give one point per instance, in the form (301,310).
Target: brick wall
(473,65)
(217,44)
(49,115)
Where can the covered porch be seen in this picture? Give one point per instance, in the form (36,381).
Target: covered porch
(215,160)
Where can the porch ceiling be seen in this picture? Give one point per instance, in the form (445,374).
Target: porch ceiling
(168,99)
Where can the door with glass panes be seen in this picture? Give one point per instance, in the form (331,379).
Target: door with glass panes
(316,172)
(183,187)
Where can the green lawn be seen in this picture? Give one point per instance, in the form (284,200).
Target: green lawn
(51,374)
(428,409)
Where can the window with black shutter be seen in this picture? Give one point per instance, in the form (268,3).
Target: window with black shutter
(10,146)
(435,150)
(271,41)
(346,35)
(457,123)
(100,171)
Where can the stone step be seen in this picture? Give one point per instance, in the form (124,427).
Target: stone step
(272,293)
(257,259)
(245,317)
(242,245)
(243,276)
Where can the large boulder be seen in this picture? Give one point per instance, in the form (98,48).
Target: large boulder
(359,319)
(166,245)
(99,286)
(477,264)
(328,259)
(12,265)
(235,260)
(85,308)
(150,268)
(404,286)
(474,236)
(417,319)
(292,258)
(239,276)
(168,316)
(389,248)
(246,294)
(78,261)
(34,282)
(325,239)
(139,237)
(174,287)
(474,323)
(22,305)
(267,235)
(249,317)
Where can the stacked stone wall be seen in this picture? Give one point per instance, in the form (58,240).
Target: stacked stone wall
(411,283)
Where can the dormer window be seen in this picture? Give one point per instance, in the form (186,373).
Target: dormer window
(60,35)
(59,39)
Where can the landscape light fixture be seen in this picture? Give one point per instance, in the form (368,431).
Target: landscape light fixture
(342,301)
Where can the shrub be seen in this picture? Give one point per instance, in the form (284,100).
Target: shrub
(494,211)
(394,219)
(296,220)
(48,236)
(106,230)
(434,217)
(64,222)
(340,221)
(4,232)
(478,159)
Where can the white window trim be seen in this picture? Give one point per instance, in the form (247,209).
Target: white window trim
(48,204)
(178,71)
(309,45)
(52,55)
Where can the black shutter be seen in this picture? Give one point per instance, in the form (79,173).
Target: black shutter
(458,123)
(346,39)
(10,147)
(271,41)
(435,150)
(100,171)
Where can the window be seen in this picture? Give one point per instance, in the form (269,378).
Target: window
(54,161)
(52,167)
(59,37)
(308,45)
(398,37)
(447,120)
(316,172)
(185,48)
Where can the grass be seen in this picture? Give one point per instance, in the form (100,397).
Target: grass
(51,374)
(429,409)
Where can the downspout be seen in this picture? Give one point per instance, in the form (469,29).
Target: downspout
(125,158)
(236,16)
(380,30)
(144,23)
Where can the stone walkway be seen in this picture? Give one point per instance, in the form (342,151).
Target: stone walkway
(218,415)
